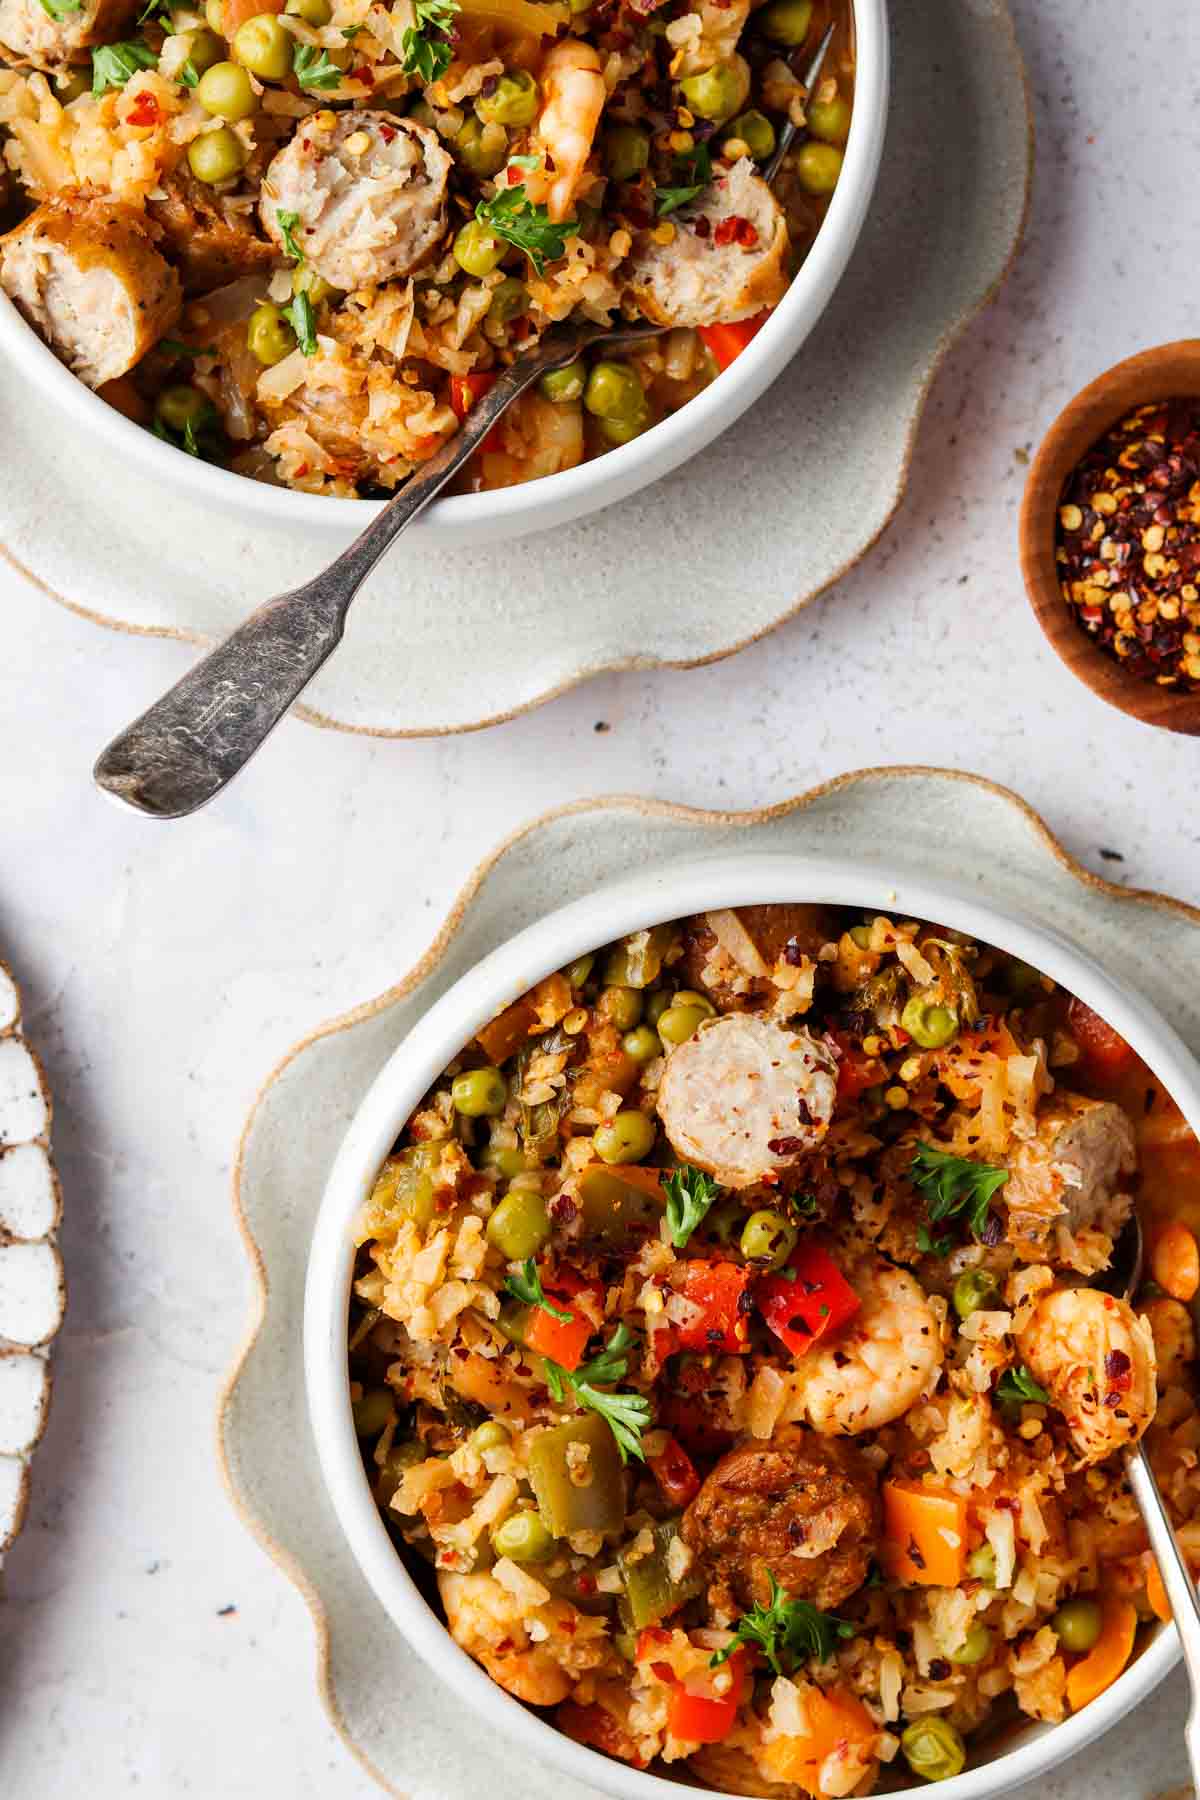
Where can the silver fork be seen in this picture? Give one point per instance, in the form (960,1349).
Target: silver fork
(192,742)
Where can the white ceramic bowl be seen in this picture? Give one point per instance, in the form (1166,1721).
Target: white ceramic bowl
(509,512)
(666,892)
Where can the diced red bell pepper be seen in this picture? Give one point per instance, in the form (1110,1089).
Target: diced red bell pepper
(1104,1051)
(728,341)
(675,1473)
(717,1289)
(564,1342)
(807,1304)
(856,1071)
(698,1715)
(465,392)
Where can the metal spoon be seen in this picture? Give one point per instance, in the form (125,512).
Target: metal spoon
(1181,1589)
(186,747)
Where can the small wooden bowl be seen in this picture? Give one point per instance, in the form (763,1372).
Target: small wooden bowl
(1158,374)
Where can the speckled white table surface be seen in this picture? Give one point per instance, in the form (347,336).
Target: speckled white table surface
(148,1645)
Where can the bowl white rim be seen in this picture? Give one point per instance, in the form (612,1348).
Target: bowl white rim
(659,893)
(554,499)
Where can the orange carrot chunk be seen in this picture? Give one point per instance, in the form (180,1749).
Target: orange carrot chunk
(834,1721)
(924,1534)
(1102,1664)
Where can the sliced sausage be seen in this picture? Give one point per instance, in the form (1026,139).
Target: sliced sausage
(370,193)
(85,272)
(729,955)
(801,1508)
(209,244)
(1070,1173)
(745,1098)
(33,34)
(725,262)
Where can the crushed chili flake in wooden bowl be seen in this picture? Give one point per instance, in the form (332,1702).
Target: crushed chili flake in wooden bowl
(1110,536)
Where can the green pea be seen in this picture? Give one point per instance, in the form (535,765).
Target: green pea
(578,971)
(829,119)
(479,1094)
(488,1436)
(181,406)
(679,1023)
(482,149)
(523,1539)
(929,1024)
(718,92)
(689,997)
(373,1412)
(933,1749)
(507,1163)
(975,1291)
(69,84)
(626,152)
(768,1239)
(269,337)
(520,1225)
(400,1457)
(562,386)
(613,391)
(756,132)
(623,1005)
(786,21)
(657,1004)
(205,49)
(305,280)
(626,1139)
(216,155)
(264,46)
(513,101)
(818,167)
(1077,1625)
(476,251)
(225,92)
(982,1565)
(509,300)
(643,1044)
(861,935)
(974,1647)
(623,431)
(313,12)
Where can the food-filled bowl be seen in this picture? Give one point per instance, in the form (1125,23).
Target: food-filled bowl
(1015,1753)
(508,511)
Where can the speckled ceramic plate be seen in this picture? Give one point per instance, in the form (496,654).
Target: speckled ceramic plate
(661,578)
(32,1290)
(402,1723)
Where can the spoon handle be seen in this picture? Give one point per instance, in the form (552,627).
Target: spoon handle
(1181,1589)
(185,748)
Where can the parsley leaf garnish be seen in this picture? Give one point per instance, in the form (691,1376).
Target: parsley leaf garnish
(426,45)
(627,1415)
(287,223)
(58,10)
(690,1193)
(113,64)
(313,68)
(934,1246)
(188,75)
(786,1628)
(527,1286)
(695,166)
(299,316)
(955,1185)
(530,228)
(1018,1384)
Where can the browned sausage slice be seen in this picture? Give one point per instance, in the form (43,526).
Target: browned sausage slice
(726,263)
(1071,1172)
(48,39)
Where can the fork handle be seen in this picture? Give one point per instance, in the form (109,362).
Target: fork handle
(186,747)
(1177,1580)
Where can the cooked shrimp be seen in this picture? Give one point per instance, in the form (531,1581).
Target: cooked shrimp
(574,96)
(873,1373)
(1174,1337)
(1096,1359)
(491,1623)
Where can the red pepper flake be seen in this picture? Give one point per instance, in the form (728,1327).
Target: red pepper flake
(387,133)
(363,74)
(736,230)
(513,176)
(144,111)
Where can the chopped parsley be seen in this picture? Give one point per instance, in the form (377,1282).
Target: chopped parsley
(525,162)
(695,167)
(954,1186)
(200,437)
(299,316)
(159,10)
(527,1286)
(58,10)
(929,1245)
(113,64)
(627,1415)
(427,44)
(1016,1385)
(690,1193)
(287,223)
(188,75)
(314,68)
(794,1629)
(174,348)
(350,32)
(511,216)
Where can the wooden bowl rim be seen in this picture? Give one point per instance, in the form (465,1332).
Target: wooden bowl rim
(1158,373)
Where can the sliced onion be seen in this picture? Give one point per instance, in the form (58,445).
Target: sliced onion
(736,941)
